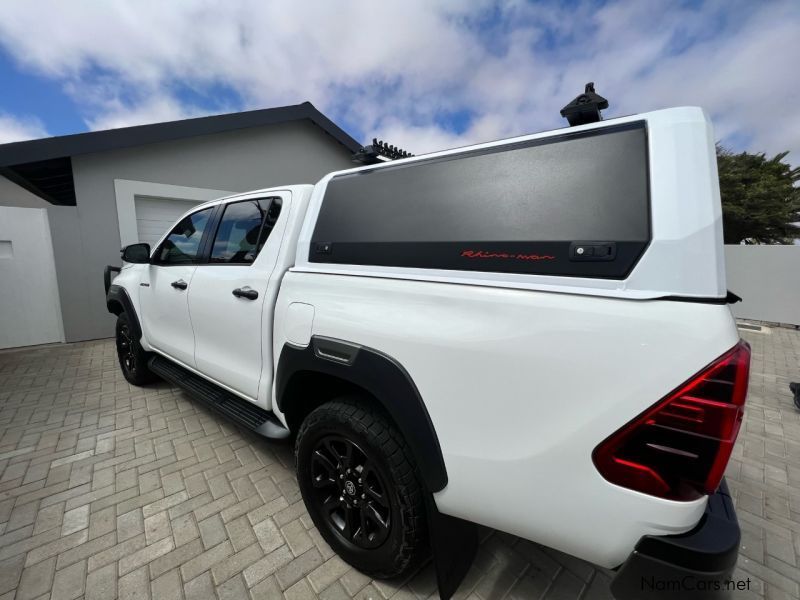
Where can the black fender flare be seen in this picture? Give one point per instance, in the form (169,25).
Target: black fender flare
(118,295)
(385,379)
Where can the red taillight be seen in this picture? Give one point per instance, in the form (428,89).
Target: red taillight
(680,447)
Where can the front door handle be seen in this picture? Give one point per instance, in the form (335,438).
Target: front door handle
(180,284)
(245,292)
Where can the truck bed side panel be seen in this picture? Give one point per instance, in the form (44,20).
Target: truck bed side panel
(521,386)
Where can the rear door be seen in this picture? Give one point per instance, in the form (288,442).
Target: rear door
(228,292)
(163,292)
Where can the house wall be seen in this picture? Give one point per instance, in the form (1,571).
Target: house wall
(86,237)
(767,278)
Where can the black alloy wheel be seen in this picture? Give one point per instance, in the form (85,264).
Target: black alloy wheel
(126,349)
(352,492)
(360,485)
(132,357)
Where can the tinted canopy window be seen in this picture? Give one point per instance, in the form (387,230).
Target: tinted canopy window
(523,208)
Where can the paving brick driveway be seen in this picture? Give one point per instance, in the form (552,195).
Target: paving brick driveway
(110,490)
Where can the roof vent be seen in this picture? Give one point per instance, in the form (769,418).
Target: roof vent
(585,108)
(378,152)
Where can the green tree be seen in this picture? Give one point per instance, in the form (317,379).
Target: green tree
(759,198)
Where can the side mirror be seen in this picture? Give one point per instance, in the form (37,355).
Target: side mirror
(136,253)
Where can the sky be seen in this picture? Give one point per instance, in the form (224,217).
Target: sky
(423,74)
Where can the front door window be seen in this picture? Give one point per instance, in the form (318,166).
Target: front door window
(182,245)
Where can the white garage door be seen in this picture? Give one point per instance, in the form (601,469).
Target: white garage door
(30,310)
(154,216)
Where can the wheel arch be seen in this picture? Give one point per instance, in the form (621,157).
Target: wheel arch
(117,302)
(327,368)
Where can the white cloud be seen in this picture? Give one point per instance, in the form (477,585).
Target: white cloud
(116,113)
(14,129)
(396,69)
(417,138)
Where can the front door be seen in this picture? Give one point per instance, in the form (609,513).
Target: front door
(231,298)
(164,292)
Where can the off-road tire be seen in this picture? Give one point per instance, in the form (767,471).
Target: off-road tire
(132,358)
(387,460)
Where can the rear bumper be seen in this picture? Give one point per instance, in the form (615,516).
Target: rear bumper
(697,564)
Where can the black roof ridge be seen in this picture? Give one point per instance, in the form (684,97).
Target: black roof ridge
(89,142)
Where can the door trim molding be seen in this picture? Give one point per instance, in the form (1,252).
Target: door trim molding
(126,190)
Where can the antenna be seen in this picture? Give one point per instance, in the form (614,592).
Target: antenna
(585,108)
(379,151)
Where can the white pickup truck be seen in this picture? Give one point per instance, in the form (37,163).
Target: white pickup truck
(530,334)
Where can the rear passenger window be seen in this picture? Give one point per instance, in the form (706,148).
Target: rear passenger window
(243,230)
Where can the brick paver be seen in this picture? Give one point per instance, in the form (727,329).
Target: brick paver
(108,490)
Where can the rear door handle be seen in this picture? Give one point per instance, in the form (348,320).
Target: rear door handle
(180,284)
(245,292)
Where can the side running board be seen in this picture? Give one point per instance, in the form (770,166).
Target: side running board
(241,411)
